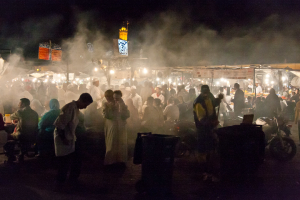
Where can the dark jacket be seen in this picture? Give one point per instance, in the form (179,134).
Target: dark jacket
(206,121)
(27,123)
(239,101)
(272,103)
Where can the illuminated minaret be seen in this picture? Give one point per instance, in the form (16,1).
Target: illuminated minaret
(123,32)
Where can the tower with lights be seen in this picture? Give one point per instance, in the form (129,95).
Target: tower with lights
(123,32)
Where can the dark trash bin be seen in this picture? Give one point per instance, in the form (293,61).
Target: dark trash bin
(241,150)
(157,164)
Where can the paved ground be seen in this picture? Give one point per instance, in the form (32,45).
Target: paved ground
(30,181)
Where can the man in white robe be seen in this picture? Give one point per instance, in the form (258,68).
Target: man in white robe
(115,113)
(136,99)
(96,93)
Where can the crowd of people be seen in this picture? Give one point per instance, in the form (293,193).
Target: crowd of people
(50,115)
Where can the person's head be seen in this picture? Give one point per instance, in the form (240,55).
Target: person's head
(272,91)
(127,91)
(293,93)
(192,91)
(158,89)
(180,99)
(109,95)
(84,100)
(117,95)
(165,87)
(157,102)
(150,101)
(171,86)
(24,102)
(126,84)
(70,87)
(236,86)
(171,101)
(133,90)
(96,82)
(172,92)
(205,91)
(249,99)
(54,104)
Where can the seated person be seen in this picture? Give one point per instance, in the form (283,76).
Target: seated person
(248,104)
(171,111)
(26,128)
(46,129)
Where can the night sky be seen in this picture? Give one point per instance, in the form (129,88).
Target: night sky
(20,20)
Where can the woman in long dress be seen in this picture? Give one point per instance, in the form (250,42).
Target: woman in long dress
(115,114)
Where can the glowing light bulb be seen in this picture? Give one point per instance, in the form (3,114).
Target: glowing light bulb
(111,71)
(169,80)
(268,75)
(283,78)
(145,71)
(157,79)
(96,69)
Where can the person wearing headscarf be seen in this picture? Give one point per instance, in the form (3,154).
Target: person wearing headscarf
(37,107)
(46,128)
